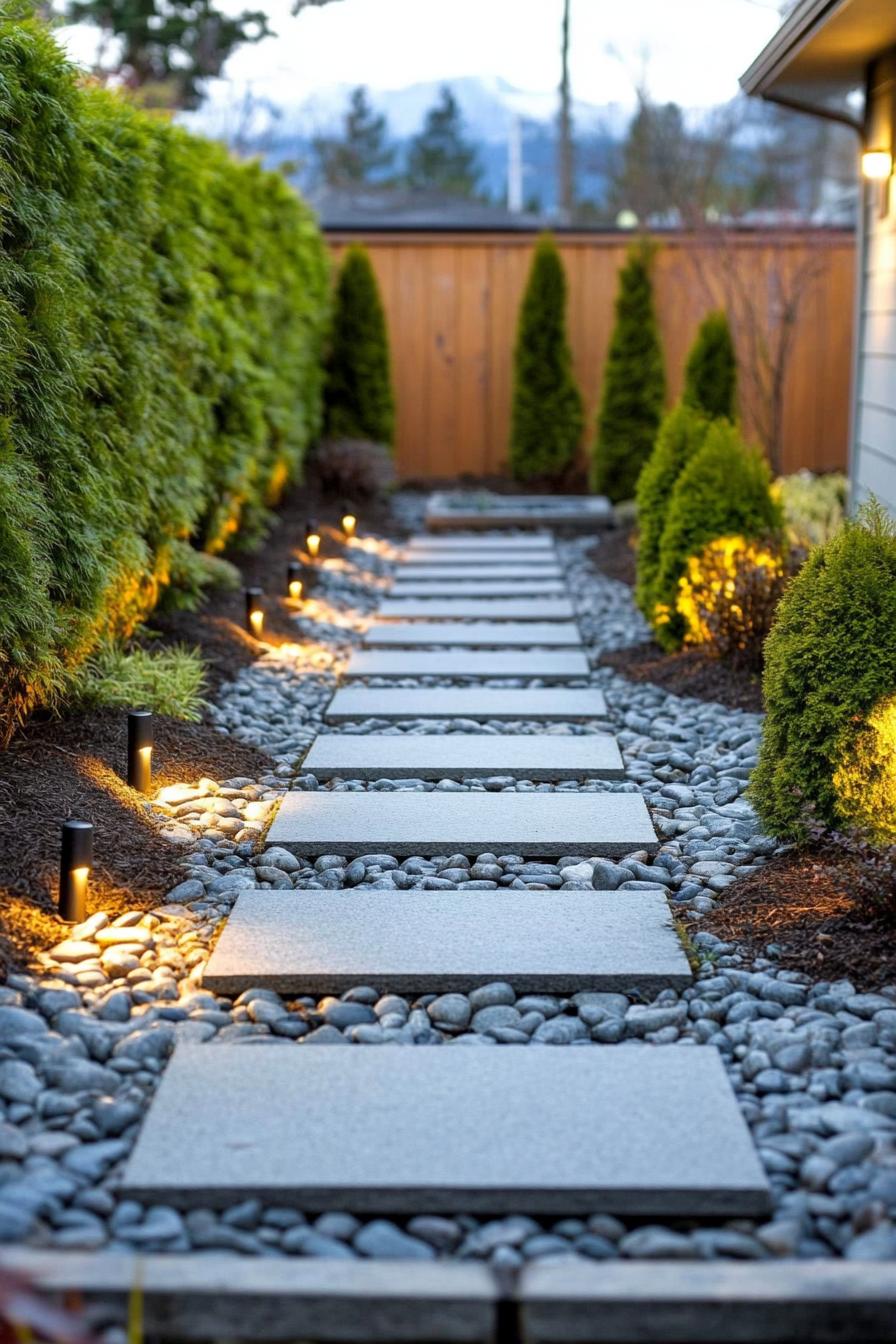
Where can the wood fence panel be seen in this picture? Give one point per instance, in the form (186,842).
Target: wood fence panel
(452,300)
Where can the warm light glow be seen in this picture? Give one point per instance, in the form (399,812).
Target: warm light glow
(349,523)
(145,755)
(865,781)
(312,543)
(711,581)
(877,165)
(256,620)
(295,589)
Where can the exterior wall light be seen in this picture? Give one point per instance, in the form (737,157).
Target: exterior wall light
(254,611)
(140,742)
(75,863)
(877,165)
(295,580)
(349,521)
(312,538)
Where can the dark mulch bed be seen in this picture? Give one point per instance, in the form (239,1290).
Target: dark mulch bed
(806,903)
(614,555)
(689,672)
(73,767)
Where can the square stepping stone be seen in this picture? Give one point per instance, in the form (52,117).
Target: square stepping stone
(476,608)
(483,541)
(478,562)
(474,634)
(463,823)
(416,942)
(544,756)
(647,1131)
(467,663)
(424,573)
(465,702)
(483,588)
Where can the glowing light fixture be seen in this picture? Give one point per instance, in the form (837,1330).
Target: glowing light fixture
(312,538)
(349,521)
(877,165)
(295,580)
(140,741)
(76,861)
(254,611)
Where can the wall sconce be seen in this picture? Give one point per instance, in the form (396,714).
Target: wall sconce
(254,611)
(312,538)
(140,742)
(75,863)
(349,521)
(294,580)
(877,165)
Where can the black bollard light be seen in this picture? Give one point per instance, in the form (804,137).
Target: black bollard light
(349,521)
(140,741)
(254,611)
(76,861)
(312,538)
(295,580)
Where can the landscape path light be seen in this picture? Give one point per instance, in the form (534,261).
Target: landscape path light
(312,538)
(254,611)
(295,580)
(140,743)
(349,521)
(75,863)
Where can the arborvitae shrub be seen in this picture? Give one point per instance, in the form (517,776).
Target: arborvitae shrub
(724,491)
(634,386)
(710,379)
(828,752)
(359,400)
(682,434)
(547,417)
(162,310)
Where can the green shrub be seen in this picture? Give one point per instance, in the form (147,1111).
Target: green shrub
(634,386)
(359,400)
(682,434)
(724,491)
(547,418)
(191,573)
(710,377)
(828,751)
(167,681)
(162,310)
(814,506)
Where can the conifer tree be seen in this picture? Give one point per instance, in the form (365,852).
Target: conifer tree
(359,399)
(634,386)
(547,416)
(710,381)
(362,151)
(440,157)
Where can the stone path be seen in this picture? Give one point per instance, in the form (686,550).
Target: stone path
(649,1131)
(482,586)
(464,755)
(449,569)
(475,634)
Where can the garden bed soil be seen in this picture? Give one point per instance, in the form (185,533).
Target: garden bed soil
(614,555)
(805,903)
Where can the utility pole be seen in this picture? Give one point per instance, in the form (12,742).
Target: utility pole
(515,166)
(564,129)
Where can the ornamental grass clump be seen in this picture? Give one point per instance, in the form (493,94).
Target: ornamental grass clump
(710,378)
(634,386)
(162,312)
(682,433)
(724,491)
(547,418)
(828,753)
(359,400)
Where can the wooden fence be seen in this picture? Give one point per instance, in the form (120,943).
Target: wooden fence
(451,301)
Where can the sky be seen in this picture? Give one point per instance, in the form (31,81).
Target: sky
(687,51)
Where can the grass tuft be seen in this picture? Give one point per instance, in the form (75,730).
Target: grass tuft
(167,681)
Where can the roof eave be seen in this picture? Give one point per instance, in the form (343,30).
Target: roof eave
(763,77)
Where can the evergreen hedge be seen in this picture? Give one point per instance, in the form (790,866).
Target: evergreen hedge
(634,386)
(162,310)
(359,400)
(829,738)
(547,418)
(724,491)
(682,433)
(710,377)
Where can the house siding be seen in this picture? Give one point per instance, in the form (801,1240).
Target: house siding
(873,459)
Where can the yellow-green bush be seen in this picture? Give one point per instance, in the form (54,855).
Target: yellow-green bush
(162,310)
(814,506)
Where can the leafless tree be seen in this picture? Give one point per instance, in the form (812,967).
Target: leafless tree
(565,170)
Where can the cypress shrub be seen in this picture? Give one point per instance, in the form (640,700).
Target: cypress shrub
(359,400)
(724,491)
(682,433)
(162,310)
(634,386)
(547,418)
(710,377)
(828,750)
